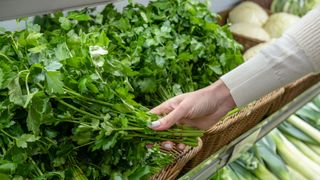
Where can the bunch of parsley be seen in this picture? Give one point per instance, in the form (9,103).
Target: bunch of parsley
(174,46)
(71,87)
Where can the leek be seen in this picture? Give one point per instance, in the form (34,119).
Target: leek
(251,161)
(305,150)
(263,173)
(273,161)
(296,174)
(311,114)
(316,101)
(315,148)
(291,130)
(295,158)
(305,127)
(241,172)
(225,173)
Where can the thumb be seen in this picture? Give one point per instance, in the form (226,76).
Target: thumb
(169,120)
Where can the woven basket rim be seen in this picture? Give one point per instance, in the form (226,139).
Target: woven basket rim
(224,122)
(172,170)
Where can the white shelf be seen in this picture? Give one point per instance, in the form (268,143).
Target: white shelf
(11,9)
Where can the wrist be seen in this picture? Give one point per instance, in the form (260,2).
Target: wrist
(221,94)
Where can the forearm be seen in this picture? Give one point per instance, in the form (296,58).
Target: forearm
(294,55)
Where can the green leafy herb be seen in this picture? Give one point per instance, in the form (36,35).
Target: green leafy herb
(75,90)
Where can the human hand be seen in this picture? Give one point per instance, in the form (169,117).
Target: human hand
(201,109)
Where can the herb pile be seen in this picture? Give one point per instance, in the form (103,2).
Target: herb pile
(173,46)
(72,88)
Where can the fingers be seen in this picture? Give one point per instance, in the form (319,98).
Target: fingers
(168,145)
(166,122)
(167,106)
(163,108)
(181,146)
(149,146)
(206,122)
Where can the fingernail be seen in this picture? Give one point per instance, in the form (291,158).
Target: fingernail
(154,124)
(181,146)
(168,146)
(149,146)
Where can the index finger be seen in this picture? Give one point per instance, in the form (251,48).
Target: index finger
(167,121)
(167,106)
(163,108)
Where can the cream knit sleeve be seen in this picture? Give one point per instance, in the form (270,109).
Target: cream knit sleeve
(292,56)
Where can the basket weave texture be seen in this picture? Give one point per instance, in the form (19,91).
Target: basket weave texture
(180,160)
(266,4)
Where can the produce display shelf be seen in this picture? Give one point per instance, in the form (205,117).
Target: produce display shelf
(209,167)
(11,9)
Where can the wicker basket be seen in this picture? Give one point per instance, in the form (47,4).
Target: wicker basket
(247,42)
(181,159)
(266,4)
(235,125)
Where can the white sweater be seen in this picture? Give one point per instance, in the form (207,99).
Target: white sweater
(295,54)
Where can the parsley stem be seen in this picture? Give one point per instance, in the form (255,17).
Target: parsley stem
(187,141)
(173,133)
(86,144)
(6,57)
(133,124)
(40,85)
(182,133)
(63,97)
(87,108)
(130,129)
(184,130)
(36,166)
(76,122)
(79,110)
(3,151)
(152,137)
(26,83)
(100,76)
(4,132)
(51,141)
(16,48)
(91,164)
(88,99)
(111,111)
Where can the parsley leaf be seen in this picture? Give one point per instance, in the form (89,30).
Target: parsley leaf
(54,83)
